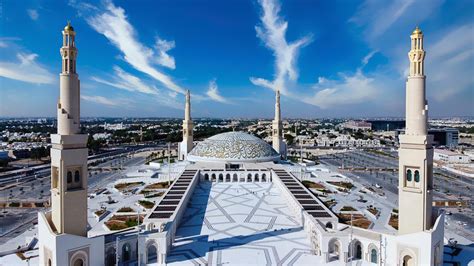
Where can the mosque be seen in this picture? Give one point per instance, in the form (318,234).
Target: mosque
(238,158)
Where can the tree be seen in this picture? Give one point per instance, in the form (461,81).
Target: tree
(289,139)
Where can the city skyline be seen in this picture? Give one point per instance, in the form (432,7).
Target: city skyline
(135,63)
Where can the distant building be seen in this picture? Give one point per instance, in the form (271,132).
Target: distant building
(448,137)
(386,125)
(448,156)
(347,141)
(306,141)
(356,125)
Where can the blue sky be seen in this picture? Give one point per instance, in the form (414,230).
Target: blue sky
(328,58)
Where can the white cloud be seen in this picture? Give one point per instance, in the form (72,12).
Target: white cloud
(353,89)
(367,58)
(128,82)
(26,69)
(213,93)
(164,59)
(273,34)
(103,101)
(33,13)
(379,16)
(449,62)
(113,24)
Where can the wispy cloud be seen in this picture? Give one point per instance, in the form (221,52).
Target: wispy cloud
(379,16)
(26,69)
(272,32)
(367,58)
(114,25)
(125,81)
(451,58)
(104,101)
(164,59)
(128,82)
(33,14)
(350,89)
(213,93)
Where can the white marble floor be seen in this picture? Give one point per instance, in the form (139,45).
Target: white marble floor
(240,224)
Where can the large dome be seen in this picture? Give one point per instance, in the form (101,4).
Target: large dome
(233,147)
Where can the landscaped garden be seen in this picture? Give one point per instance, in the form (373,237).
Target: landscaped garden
(119,222)
(373,210)
(341,184)
(159,185)
(125,209)
(146,204)
(348,209)
(124,186)
(358,220)
(100,212)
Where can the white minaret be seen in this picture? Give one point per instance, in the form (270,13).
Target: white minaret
(415,152)
(69,149)
(277,141)
(187,143)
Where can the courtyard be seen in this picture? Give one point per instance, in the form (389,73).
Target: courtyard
(240,224)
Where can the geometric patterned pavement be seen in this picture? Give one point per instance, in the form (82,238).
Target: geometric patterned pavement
(240,224)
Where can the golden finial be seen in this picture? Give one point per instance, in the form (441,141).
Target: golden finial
(68,26)
(417,30)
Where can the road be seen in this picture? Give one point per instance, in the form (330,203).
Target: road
(447,186)
(15,221)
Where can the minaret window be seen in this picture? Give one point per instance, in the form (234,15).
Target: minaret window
(77,177)
(409,175)
(417,176)
(69,177)
(373,256)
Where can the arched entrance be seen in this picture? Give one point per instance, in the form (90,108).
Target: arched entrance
(206,177)
(151,253)
(126,250)
(264,178)
(227,178)
(235,178)
(355,251)
(408,261)
(110,257)
(221,178)
(249,178)
(213,177)
(334,249)
(78,262)
(256,179)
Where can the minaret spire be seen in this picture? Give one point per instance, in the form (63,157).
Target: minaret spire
(187,112)
(277,106)
(277,138)
(69,149)
(416,151)
(187,143)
